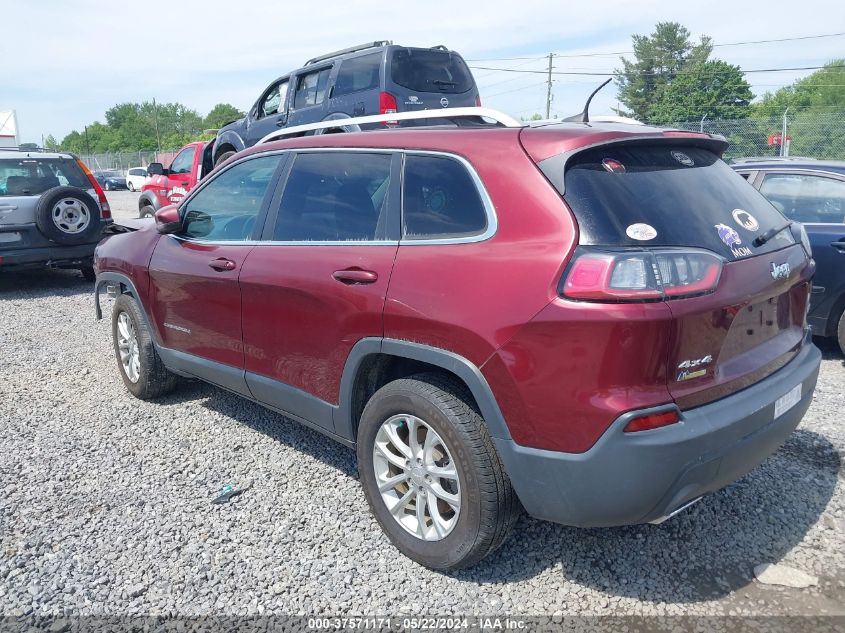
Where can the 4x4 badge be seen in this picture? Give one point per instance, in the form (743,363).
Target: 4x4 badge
(780,271)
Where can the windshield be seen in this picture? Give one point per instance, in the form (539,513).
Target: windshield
(430,70)
(635,195)
(33,176)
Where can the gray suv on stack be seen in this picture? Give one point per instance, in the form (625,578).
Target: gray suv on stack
(52,212)
(374,78)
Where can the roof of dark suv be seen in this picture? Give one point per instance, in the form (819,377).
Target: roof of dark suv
(837,166)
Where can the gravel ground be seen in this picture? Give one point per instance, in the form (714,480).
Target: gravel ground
(124,204)
(105,506)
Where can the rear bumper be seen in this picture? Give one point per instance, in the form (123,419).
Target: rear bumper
(31,249)
(642,477)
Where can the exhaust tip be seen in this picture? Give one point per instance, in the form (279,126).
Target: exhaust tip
(676,511)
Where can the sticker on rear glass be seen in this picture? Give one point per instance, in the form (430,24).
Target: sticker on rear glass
(683,159)
(732,240)
(641,232)
(613,166)
(745,219)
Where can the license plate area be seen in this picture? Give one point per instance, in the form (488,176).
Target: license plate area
(787,401)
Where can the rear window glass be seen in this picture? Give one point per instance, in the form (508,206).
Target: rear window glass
(33,176)
(439,200)
(667,196)
(424,70)
(356,74)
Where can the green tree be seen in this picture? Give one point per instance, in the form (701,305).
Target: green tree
(658,59)
(220,115)
(822,90)
(714,89)
(51,143)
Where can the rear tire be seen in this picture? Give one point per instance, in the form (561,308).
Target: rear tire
(130,186)
(223,158)
(840,332)
(463,505)
(147,211)
(140,366)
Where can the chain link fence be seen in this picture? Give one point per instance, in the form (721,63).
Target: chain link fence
(121,161)
(808,134)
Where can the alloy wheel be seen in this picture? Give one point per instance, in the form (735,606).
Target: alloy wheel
(417,478)
(127,346)
(71,215)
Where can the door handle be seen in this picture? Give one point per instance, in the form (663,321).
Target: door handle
(355,276)
(840,246)
(221,264)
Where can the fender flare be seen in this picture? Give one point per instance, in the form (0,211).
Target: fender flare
(108,276)
(227,137)
(471,375)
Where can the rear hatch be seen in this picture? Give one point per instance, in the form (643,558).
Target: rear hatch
(23,179)
(428,79)
(677,216)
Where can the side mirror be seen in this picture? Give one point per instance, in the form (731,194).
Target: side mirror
(168,220)
(156,169)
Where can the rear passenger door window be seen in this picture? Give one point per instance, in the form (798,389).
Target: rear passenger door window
(440,200)
(311,88)
(336,197)
(226,209)
(806,197)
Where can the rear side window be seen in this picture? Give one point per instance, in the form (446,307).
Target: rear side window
(225,209)
(335,196)
(805,197)
(636,195)
(34,176)
(440,200)
(358,73)
(311,88)
(427,70)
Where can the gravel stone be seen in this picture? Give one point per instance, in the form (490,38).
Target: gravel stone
(105,506)
(784,575)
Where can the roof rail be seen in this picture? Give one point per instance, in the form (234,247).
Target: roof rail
(769,159)
(351,49)
(500,118)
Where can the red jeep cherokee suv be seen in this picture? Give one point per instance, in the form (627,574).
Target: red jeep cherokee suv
(600,323)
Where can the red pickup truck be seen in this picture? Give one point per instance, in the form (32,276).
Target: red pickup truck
(169,185)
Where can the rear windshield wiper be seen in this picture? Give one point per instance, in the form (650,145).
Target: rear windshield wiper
(765,237)
(444,82)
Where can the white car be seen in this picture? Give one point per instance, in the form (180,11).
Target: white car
(136,177)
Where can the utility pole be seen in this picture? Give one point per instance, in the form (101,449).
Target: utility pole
(549,89)
(158,137)
(87,145)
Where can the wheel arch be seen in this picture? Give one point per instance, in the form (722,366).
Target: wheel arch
(374,362)
(148,199)
(228,141)
(126,286)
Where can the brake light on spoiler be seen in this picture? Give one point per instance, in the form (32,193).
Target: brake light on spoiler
(641,275)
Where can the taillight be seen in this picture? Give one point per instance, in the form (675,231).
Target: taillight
(643,275)
(652,421)
(478,101)
(387,105)
(101,196)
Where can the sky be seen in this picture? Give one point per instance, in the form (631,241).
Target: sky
(65,62)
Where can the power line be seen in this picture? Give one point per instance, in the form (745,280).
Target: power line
(613,74)
(750,42)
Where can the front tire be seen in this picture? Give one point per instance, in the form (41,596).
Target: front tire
(431,474)
(840,332)
(140,366)
(147,211)
(223,158)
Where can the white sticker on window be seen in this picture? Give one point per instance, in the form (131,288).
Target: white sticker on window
(641,232)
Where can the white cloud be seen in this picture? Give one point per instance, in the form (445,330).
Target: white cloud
(65,63)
